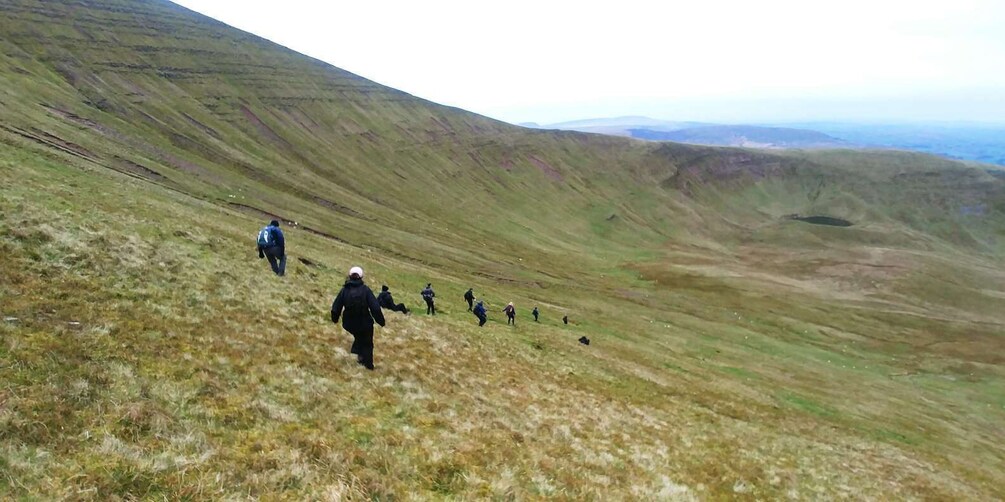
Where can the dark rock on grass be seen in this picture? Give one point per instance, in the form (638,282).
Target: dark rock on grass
(822,220)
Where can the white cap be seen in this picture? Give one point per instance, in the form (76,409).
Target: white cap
(356,271)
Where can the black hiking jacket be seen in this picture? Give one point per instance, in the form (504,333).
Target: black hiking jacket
(384,299)
(468,295)
(360,307)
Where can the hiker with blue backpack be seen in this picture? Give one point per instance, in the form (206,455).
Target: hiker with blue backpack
(272,245)
(480,313)
(358,308)
(427,296)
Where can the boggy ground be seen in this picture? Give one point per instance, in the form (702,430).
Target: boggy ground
(147,353)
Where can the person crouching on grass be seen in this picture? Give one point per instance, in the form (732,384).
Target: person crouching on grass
(359,309)
(387,301)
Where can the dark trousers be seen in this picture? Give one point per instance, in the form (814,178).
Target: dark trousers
(510,319)
(471,304)
(277,262)
(535,317)
(397,308)
(362,346)
(482,319)
(430,308)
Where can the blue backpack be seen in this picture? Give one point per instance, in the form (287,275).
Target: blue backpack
(266,238)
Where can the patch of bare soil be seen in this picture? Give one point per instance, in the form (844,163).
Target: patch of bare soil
(546,168)
(52,141)
(122,164)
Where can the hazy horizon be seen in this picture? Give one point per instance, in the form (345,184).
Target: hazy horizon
(774,61)
(750,112)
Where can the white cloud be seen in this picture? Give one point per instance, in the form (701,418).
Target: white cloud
(500,57)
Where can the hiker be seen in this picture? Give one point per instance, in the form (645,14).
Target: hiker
(385,300)
(565,319)
(428,295)
(536,313)
(510,314)
(480,313)
(584,340)
(469,296)
(361,310)
(272,245)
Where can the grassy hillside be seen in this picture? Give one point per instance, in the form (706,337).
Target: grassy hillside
(737,352)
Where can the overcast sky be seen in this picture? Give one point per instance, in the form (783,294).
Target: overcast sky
(714,60)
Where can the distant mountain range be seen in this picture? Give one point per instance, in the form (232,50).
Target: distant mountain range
(618,126)
(964,141)
(743,135)
(701,133)
(961,141)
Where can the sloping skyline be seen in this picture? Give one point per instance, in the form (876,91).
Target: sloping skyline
(721,60)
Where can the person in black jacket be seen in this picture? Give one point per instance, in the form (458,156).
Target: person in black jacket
(536,313)
(272,245)
(387,301)
(360,311)
(469,296)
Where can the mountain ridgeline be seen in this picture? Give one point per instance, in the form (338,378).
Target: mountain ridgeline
(764,324)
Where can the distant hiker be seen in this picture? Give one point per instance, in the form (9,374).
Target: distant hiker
(565,319)
(361,310)
(536,313)
(272,245)
(386,301)
(428,295)
(469,296)
(479,312)
(510,311)
(584,340)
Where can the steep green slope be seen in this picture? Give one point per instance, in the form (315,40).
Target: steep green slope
(229,117)
(737,352)
(194,105)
